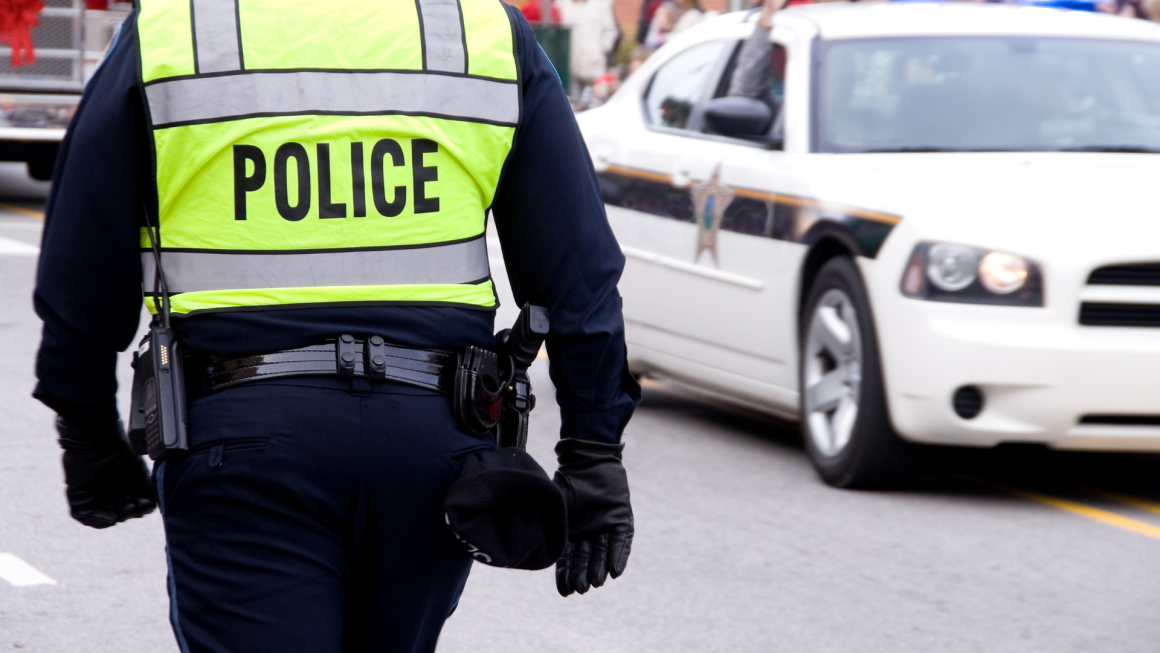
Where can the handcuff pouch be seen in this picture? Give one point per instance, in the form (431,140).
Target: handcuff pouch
(477,396)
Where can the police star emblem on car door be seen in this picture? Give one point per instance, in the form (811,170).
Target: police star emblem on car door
(710,198)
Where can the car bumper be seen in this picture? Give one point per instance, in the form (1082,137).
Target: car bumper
(1044,378)
(29,117)
(32,134)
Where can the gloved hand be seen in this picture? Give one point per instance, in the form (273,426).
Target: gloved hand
(106,482)
(600,528)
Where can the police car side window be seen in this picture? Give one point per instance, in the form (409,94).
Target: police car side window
(676,88)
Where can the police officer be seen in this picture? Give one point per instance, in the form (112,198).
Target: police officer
(313,171)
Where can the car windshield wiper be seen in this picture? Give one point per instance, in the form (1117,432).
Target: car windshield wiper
(1130,149)
(909,149)
(925,148)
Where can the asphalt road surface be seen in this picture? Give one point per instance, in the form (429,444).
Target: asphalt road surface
(739,547)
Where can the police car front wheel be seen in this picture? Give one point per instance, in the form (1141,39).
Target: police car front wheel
(845,423)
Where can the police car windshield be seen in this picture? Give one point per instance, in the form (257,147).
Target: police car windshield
(987,94)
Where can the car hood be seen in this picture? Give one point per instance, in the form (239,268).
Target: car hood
(1092,205)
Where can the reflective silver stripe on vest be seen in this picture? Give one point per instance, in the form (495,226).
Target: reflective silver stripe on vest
(439,264)
(215,35)
(443,36)
(208,99)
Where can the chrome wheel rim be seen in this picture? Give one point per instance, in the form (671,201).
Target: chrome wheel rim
(832,372)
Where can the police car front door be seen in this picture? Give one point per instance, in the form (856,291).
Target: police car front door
(706,284)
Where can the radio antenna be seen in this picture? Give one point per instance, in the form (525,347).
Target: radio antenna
(159,275)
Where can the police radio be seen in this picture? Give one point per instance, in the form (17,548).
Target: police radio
(518,347)
(157,422)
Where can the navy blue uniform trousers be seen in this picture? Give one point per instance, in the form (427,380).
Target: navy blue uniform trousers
(308,516)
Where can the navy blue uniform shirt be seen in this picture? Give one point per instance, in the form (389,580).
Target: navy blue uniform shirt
(559,249)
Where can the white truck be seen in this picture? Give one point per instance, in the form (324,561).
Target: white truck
(38,99)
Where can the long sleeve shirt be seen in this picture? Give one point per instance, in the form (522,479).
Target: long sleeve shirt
(751,76)
(556,241)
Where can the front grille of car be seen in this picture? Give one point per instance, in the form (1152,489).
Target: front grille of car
(1126,315)
(59,64)
(1122,314)
(1122,420)
(1137,274)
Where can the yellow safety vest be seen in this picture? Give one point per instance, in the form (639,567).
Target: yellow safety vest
(311,153)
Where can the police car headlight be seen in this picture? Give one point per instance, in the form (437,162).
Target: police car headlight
(944,272)
(951,267)
(1003,273)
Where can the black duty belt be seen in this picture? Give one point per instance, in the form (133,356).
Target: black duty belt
(344,356)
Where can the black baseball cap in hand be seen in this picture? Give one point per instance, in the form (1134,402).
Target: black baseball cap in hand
(507,511)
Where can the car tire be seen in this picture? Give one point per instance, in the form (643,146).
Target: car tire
(845,422)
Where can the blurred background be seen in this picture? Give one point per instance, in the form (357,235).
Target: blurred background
(739,546)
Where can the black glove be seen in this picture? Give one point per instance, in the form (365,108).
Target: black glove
(106,482)
(600,529)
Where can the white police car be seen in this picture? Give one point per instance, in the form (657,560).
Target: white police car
(949,234)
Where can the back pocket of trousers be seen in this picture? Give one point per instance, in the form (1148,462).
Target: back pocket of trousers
(216,452)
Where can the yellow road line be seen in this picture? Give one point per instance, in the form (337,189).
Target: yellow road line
(1103,516)
(1127,500)
(20,209)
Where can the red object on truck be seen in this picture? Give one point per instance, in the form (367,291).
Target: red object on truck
(97,4)
(531,11)
(17,18)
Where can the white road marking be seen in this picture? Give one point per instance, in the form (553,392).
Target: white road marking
(17,248)
(19,573)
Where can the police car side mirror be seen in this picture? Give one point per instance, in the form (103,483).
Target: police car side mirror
(739,117)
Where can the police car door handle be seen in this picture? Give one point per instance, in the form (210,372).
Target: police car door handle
(601,158)
(683,172)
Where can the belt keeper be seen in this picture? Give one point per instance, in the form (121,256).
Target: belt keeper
(376,358)
(344,355)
